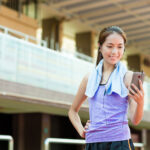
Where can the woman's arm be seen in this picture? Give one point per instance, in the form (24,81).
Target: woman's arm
(136,101)
(74,109)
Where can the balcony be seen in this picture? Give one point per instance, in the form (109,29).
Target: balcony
(37,79)
(32,74)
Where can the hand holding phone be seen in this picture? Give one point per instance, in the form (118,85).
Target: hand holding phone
(135,79)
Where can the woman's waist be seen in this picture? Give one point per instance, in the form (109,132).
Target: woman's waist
(112,133)
(104,132)
(108,119)
(106,124)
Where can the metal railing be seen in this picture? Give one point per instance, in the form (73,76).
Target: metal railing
(39,66)
(43,43)
(48,141)
(23,36)
(9,139)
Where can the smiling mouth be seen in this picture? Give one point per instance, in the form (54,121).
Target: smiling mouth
(113,56)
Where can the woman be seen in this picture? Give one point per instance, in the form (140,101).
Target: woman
(107,88)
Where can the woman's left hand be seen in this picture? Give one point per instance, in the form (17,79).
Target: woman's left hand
(138,96)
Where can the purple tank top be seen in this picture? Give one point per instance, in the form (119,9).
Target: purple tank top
(108,116)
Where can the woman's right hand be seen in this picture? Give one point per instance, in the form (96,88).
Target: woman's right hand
(84,131)
(87,125)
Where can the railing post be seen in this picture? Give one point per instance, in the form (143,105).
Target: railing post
(46,144)
(5,30)
(9,139)
(144,138)
(26,37)
(48,141)
(11,144)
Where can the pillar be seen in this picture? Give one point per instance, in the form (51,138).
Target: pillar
(45,128)
(147,146)
(18,131)
(32,134)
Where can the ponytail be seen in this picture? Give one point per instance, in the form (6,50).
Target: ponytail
(99,56)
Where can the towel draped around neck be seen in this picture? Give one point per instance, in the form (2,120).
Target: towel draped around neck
(114,84)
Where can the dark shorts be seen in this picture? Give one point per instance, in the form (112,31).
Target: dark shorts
(117,145)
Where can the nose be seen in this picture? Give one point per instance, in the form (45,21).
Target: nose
(114,50)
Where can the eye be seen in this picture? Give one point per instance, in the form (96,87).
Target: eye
(120,47)
(109,46)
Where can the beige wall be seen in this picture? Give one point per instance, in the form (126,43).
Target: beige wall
(11,19)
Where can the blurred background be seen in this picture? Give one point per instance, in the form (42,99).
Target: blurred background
(46,47)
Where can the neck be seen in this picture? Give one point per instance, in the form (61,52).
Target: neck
(108,67)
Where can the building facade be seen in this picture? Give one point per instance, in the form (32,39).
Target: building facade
(44,45)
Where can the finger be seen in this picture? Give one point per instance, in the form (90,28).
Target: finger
(87,124)
(85,131)
(86,127)
(141,94)
(133,93)
(135,87)
(141,86)
(131,96)
(138,92)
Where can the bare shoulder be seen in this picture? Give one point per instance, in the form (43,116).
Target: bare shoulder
(80,96)
(85,80)
(86,76)
(128,78)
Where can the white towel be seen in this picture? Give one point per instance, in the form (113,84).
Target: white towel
(114,84)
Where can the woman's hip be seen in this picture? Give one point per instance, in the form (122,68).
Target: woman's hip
(115,145)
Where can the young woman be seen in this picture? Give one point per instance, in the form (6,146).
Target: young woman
(107,89)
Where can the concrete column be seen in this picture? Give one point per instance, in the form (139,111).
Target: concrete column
(18,131)
(21,132)
(32,134)
(52,32)
(134,62)
(147,147)
(144,137)
(85,43)
(45,128)
(30,131)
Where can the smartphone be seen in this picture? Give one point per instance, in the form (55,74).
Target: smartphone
(135,79)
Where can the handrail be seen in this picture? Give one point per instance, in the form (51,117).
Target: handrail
(48,141)
(43,43)
(9,139)
(25,36)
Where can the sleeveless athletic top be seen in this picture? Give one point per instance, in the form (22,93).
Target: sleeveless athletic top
(108,116)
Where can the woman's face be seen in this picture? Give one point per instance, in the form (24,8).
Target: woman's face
(113,48)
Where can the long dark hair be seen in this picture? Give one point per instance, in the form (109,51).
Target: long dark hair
(104,34)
